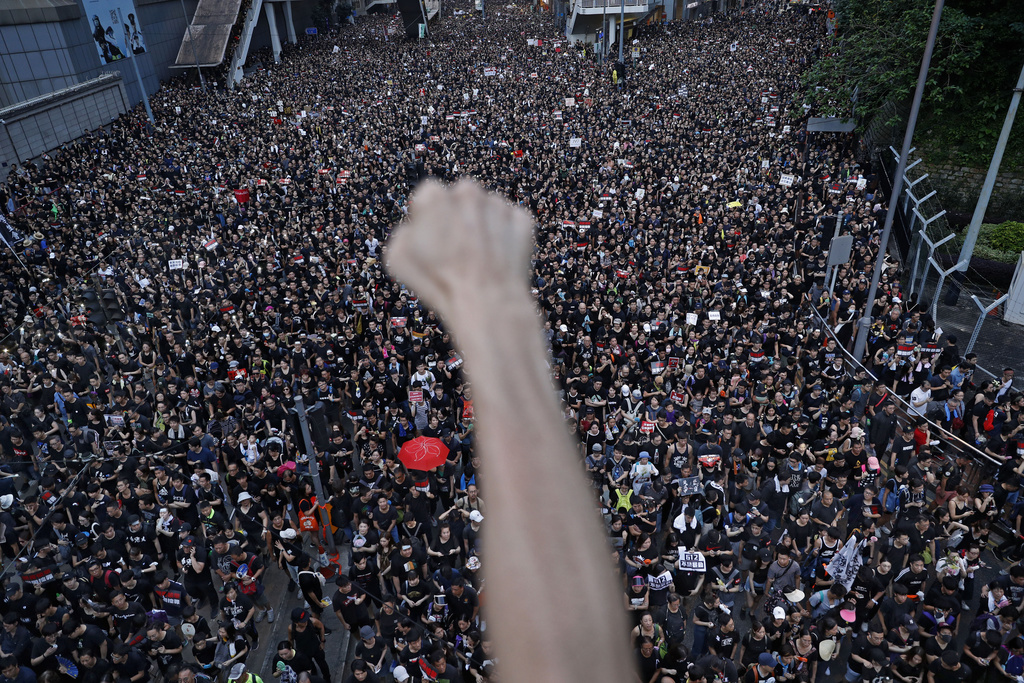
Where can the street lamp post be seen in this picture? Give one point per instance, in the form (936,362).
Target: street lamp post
(135,66)
(860,344)
(622,26)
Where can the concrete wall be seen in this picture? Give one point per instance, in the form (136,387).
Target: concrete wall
(53,84)
(34,60)
(960,186)
(35,126)
(51,48)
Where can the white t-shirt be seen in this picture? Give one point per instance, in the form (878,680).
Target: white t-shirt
(921,396)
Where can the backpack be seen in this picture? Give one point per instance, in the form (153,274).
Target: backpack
(896,494)
(809,567)
(984,622)
(800,502)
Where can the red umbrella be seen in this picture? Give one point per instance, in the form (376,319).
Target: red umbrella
(423,453)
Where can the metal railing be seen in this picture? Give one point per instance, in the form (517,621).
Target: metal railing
(951,443)
(926,231)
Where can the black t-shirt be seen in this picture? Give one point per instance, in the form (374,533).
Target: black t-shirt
(862,647)
(189,575)
(800,534)
(648,665)
(749,436)
(1015,592)
(904,450)
(237,609)
(724,643)
(125,620)
(353,614)
(753,647)
(943,675)
(752,544)
(370,653)
(919,540)
(296,665)
(463,605)
(382,518)
(132,665)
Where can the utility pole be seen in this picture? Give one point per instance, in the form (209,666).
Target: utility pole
(986,193)
(314,470)
(195,55)
(622,26)
(135,64)
(897,185)
(604,31)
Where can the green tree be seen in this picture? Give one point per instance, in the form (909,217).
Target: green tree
(874,57)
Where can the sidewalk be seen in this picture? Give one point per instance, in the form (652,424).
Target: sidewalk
(338,643)
(1000,344)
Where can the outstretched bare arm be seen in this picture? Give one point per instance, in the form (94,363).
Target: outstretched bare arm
(552,599)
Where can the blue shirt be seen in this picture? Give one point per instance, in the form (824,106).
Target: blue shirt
(205,457)
(25,675)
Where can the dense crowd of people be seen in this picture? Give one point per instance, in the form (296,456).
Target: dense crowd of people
(768,503)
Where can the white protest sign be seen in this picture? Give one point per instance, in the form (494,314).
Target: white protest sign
(575,142)
(691,318)
(690,486)
(862,183)
(714,315)
(692,562)
(786,180)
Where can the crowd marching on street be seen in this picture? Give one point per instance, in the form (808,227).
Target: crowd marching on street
(776,510)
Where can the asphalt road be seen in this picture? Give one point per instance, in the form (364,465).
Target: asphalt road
(339,647)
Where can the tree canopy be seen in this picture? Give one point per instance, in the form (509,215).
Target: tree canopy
(874,59)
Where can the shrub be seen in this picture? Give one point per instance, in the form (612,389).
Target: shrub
(1003,242)
(1008,236)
